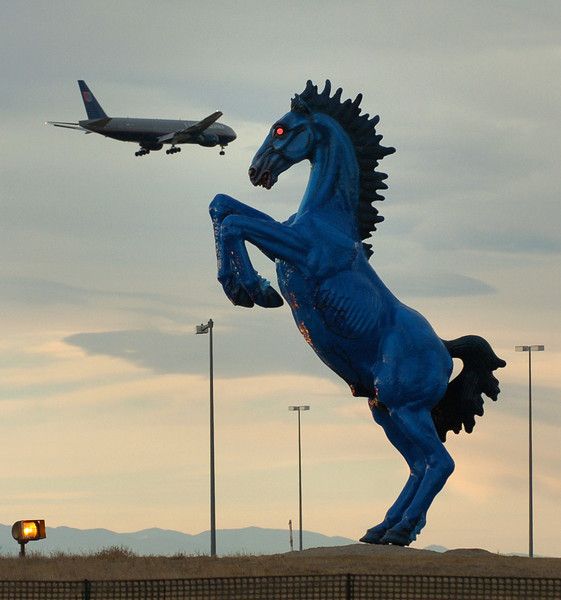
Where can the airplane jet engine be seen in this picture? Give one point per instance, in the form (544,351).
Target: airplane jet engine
(208,140)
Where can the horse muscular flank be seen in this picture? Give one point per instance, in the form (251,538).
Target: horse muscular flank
(384,350)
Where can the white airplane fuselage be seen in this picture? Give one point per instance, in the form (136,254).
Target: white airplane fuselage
(147,132)
(150,134)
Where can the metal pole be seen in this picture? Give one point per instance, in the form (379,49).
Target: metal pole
(300,478)
(212,478)
(530,461)
(291,539)
(528,349)
(299,409)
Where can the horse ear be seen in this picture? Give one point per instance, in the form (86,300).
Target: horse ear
(298,105)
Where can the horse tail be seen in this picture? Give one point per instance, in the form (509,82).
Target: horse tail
(463,398)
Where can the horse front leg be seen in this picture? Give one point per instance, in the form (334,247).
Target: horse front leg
(229,264)
(275,240)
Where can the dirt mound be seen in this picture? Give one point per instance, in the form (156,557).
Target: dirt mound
(363,550)
(469,552)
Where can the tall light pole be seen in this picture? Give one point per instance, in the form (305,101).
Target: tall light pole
(529,350)
(207,328)
(299,409)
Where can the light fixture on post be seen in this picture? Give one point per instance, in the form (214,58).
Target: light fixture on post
(202,329)
(299,409)
(529,350)
(29,530)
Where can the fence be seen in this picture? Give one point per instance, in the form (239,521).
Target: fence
(305,587)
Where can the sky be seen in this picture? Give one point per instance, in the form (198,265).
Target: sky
(108,263)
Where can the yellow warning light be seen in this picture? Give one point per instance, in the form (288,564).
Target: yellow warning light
(28,531)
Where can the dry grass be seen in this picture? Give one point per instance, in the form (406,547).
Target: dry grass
(119,563)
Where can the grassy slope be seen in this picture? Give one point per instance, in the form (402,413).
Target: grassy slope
(121,564)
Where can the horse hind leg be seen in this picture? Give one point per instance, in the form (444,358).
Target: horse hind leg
(416,462)
(418,426)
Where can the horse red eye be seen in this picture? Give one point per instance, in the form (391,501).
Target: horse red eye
(279,131)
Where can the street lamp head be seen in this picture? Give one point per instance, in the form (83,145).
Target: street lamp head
(204,327)
(534,348)
(299,408)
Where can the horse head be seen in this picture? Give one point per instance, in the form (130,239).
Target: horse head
(298,134)
(289,141)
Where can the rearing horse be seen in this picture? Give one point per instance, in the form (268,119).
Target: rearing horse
(384,350)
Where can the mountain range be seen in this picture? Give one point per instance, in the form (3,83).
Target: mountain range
(165,542)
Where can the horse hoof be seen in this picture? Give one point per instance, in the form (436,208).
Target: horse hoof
(372,538)
(269,298)
(374,535)
(398,536)
(240,297)
(235,292)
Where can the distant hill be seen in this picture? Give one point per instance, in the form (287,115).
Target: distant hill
(165,542)
(436,548)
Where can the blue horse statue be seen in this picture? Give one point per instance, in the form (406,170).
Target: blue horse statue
(384,350)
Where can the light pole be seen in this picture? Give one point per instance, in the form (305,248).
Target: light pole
(529,350)
(207,328)
(299,409)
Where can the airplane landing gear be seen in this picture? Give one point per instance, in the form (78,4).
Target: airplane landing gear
(173,150)
(142,152)
(222,153)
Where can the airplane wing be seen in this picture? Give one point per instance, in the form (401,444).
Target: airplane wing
(187,134)
(67,125)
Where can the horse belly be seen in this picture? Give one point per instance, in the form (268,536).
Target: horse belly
(339,318)
(350,307)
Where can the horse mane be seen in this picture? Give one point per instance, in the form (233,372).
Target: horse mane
(362,133)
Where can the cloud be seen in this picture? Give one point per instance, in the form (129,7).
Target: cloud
(236,353)
(516,242)
(545,403)
(27,290)
(446,285)
(502,236)
(160,351)
(32,294)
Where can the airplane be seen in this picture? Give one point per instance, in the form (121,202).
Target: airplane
(150,134)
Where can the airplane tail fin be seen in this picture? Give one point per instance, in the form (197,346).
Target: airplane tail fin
(93,108)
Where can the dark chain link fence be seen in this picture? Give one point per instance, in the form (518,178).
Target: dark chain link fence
(304,587)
